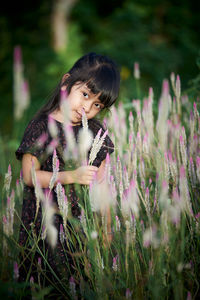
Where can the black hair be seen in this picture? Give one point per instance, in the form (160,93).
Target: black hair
(98,72)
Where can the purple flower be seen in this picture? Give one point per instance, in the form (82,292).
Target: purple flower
(136,72)
(128,293)
(16,271)
(17,55)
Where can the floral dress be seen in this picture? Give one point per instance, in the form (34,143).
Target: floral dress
(30,228)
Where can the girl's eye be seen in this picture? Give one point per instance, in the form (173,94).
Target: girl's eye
(98,105)
(85,95)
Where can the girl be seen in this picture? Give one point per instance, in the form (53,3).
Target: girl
(92,85)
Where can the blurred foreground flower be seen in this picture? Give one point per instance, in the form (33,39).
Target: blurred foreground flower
(100,197)
(48,214)
(62,203)
(150,237)
(15,270)
(21,89)
(7,180)
(136,71)
(55,164)
(97,144)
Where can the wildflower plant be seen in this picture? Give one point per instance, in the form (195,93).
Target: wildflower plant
(20,88)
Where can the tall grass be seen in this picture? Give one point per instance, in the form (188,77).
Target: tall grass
(138,233)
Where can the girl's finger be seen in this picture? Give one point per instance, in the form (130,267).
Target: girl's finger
(92,173)
(93,168)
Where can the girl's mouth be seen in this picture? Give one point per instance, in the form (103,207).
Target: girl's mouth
(79,116)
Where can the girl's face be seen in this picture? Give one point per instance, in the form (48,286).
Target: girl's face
(81,97)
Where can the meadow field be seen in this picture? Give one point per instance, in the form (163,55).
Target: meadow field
(138,235)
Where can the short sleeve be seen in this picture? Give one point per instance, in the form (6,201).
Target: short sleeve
(107,147)
(34,140)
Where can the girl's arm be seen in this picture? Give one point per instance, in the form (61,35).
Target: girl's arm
(82,175)
(101,172)
(101,178)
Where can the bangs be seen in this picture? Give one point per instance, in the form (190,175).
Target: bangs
(104,81)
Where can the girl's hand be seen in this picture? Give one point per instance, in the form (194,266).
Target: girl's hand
(84,174)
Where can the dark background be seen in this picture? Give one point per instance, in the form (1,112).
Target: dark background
(162,36)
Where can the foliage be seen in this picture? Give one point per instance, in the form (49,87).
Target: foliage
(146,32)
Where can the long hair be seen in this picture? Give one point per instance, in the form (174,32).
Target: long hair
(98,72)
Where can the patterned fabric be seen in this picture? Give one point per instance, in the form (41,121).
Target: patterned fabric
(38,141)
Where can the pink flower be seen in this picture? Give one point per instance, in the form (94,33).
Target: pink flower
(8,201)
(176,196)
(72,286)
(189,297)
(39,261)
(84,119)
(104,135)
(181,139)
(165,88)
(128,293)
(172,78)
(150,237)
(9,170)
(164,184)
(63,96)
(17,55)
(57,164)
(105,122)
(53,144)
(145,138)
(150,93)
(166,156)
(133,184)
(52,127)
(97,144)
(178,86)
(182,172)
(197,215)
(16,271)
(4,220)
(43,235)
(118,224)
(42,139)
(198,161)
(130,116)
(31,280)
(8,179)
(115,265)
(62,234)
(136,72)
(107,158)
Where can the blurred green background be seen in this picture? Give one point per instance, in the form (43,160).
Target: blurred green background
(162,36)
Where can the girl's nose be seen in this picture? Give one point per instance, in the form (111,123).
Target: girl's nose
(87,107)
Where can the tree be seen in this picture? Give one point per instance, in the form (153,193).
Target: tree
(60,23)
